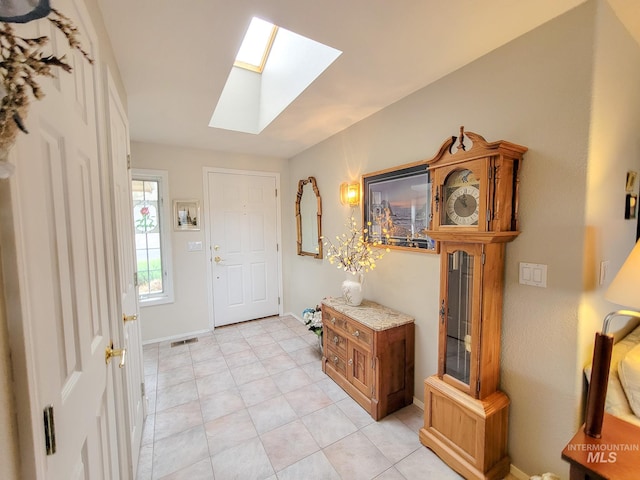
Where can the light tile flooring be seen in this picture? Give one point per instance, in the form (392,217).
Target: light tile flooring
(250,401)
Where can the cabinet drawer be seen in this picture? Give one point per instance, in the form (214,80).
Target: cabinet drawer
(336,341)
(362,334)
(334,319)
(337,362)
(345,326)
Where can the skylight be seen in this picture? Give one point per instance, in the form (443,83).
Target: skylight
(256,45)
(265,79)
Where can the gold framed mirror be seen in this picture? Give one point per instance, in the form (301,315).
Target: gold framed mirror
(309,218)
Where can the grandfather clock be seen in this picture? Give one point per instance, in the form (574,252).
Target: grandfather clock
(474,214)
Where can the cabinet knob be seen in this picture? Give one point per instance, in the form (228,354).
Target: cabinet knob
(335,360)
(335,339)
(333,320)
(350,361)
(356,333)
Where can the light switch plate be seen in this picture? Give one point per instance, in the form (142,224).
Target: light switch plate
(194,246)
(604,271)
(534,274)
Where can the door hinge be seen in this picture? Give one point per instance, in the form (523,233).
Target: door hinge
(277,247)
(478,387)
(128,161)
(483,257)
(49,430)
(373,363)
(135,279)
(278,300)
(142,392)
(276,192)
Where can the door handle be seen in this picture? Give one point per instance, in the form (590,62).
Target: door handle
(129,318)
(217,259)
(111,352)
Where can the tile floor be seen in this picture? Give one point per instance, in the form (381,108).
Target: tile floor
(250,401)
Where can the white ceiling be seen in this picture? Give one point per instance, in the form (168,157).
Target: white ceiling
(175,56)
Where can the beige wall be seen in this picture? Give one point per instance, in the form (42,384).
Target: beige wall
(614,149)
(189,312)
(536,91)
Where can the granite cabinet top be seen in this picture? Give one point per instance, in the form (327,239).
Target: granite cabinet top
(372,314)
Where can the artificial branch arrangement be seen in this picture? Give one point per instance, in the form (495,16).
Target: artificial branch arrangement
(353,252)
(21,62)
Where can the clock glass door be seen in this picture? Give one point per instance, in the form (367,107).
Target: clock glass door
(460,271)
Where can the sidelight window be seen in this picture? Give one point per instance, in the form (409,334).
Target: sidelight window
(151,230)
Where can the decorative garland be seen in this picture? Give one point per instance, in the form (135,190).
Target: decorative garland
(21,62)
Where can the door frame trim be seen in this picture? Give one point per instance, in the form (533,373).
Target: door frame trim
(208,244)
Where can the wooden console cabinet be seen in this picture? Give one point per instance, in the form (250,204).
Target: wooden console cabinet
(369,352)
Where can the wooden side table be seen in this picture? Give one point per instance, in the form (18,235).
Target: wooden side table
(369,351)
(615,456)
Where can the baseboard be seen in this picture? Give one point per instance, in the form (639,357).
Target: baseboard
(418,403)
(294,316)
(518,474)
(176,337)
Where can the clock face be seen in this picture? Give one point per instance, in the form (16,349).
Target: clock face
(462,198)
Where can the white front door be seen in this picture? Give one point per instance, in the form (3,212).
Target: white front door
(59,293)
(127,326)
(242,231)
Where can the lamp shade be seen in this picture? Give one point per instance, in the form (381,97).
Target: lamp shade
(350,193)
(625,287)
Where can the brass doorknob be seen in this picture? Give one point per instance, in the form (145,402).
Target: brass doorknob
(129,318)
(111,352)
(217,259)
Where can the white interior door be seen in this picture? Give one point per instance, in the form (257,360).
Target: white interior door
(242,221)
(58,213)
(127,328)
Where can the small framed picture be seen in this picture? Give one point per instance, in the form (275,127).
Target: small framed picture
(630,206)
(186,215)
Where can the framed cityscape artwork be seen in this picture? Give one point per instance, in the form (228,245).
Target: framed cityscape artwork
(397,202)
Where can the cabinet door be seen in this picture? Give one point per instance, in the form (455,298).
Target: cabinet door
(460,315)
(359,372)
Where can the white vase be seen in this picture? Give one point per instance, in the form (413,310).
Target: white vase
(352,289)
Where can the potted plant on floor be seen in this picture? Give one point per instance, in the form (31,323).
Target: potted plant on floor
(313,319)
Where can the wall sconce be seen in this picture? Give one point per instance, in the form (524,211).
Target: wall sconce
(624,290)
(350,194)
